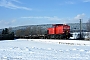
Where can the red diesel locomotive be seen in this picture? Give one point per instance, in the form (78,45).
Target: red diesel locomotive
(59,31)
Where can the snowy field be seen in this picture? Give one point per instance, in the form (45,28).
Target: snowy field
(41,49)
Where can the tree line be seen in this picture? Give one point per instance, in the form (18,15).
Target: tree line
(28,31)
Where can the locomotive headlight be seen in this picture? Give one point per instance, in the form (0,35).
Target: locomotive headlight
(67,31)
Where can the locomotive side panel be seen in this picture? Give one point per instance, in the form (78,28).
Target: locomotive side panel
(51,30)
(59,30)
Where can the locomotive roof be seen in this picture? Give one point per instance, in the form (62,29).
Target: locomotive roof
(58,24)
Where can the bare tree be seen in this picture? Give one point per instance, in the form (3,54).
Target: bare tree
(19,33)
(88,25)
(27,31)
(88,28)
(10,29)
(38,31)
(34,30)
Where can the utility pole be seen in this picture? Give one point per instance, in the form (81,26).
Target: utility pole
(80,29)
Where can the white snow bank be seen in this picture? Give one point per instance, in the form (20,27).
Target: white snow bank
(71,42)
(43,49)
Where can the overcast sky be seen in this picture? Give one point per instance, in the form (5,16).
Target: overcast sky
(32,12)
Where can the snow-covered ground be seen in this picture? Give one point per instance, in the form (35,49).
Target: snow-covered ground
(41,49)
